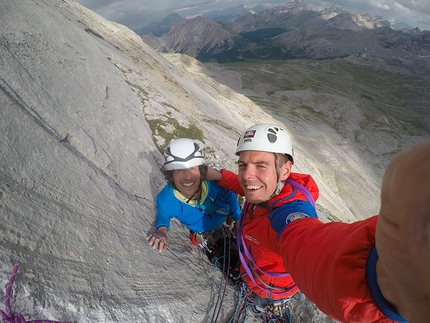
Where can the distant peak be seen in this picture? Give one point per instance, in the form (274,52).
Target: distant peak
(294,6)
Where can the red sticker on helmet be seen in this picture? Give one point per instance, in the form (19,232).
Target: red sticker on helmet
(249,134)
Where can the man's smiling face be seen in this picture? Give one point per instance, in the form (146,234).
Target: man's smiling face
(257,175)
(187,181)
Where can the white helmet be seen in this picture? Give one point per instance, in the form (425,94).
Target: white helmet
(265,137)
(182,153)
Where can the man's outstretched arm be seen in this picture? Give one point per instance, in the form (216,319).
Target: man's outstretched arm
(329,262)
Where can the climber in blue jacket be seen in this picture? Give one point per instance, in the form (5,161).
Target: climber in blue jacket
(200,205)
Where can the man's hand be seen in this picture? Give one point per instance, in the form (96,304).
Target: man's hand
(158,240)
(213,175)
(403,234)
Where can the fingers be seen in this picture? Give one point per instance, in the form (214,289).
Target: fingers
(162,245)
(158,242)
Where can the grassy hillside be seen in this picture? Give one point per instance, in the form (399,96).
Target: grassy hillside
(403,99)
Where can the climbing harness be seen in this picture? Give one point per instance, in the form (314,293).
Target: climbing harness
(7,315)
(206,240)
(269,312)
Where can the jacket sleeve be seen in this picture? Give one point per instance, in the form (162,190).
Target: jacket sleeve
(164,208)
(227,198)
(230,181)
(328,263)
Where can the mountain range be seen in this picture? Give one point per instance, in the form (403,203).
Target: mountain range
(291,31)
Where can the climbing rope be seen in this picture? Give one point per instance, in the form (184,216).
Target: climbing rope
(241,305)
(220,299)
(7,315)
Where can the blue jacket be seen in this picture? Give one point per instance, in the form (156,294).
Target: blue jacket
(206,215)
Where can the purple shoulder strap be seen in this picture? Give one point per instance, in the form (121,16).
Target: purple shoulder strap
(241,242)
(302,189)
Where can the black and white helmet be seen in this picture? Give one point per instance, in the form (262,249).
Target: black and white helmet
(183,153)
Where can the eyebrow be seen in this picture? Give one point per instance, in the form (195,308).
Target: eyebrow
(258,162)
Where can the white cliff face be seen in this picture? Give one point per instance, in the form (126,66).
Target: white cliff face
(85,107)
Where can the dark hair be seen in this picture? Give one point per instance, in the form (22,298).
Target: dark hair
(168,174)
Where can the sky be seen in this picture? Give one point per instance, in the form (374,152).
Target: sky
(136,14)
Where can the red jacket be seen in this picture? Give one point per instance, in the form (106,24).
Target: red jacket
(333,264)
(256,230)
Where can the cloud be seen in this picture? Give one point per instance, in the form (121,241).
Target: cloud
(137,13)
(419,6)
(415,12)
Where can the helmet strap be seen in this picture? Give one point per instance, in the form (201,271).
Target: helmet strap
(200,186)
(278,172)
(279,187)
(279,184)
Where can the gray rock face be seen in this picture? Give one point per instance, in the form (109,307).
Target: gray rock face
(85,108)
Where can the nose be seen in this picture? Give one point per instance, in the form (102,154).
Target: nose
(186,174)
(247,172)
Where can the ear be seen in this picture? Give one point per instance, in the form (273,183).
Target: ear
(285,170)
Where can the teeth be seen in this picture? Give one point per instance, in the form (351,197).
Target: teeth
(188,184)
(253,187)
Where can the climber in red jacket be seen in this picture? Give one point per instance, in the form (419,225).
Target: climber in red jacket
(338,266)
